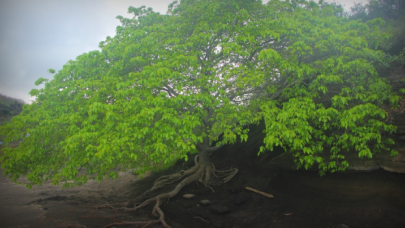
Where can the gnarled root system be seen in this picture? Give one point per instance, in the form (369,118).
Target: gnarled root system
(203,171)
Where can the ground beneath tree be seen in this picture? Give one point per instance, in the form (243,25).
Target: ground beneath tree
(301,199)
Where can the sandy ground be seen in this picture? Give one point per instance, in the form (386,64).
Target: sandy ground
(23,207)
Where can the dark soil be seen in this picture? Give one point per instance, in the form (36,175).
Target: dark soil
(301,198)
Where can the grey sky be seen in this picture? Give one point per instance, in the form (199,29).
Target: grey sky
(36,35)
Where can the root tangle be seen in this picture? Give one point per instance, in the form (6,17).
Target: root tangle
(203,172)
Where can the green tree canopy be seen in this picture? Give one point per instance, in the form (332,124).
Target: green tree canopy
(393,12)
(192,80)
(386,9)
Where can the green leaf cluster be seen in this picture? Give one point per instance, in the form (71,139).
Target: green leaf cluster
(193,80)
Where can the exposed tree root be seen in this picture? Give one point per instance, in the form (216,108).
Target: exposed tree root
(198,217)
(146,223)
(261,193)
(203,171)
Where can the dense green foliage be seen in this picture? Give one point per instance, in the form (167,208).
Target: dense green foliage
(393,12)
(169,85)
(386,9)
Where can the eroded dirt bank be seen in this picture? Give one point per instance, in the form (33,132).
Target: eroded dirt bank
(302,199)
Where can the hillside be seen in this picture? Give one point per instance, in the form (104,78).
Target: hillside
(9,107)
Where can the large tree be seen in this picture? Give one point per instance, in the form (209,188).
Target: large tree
(191,81)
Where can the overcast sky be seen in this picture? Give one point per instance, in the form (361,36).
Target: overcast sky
(36,35)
